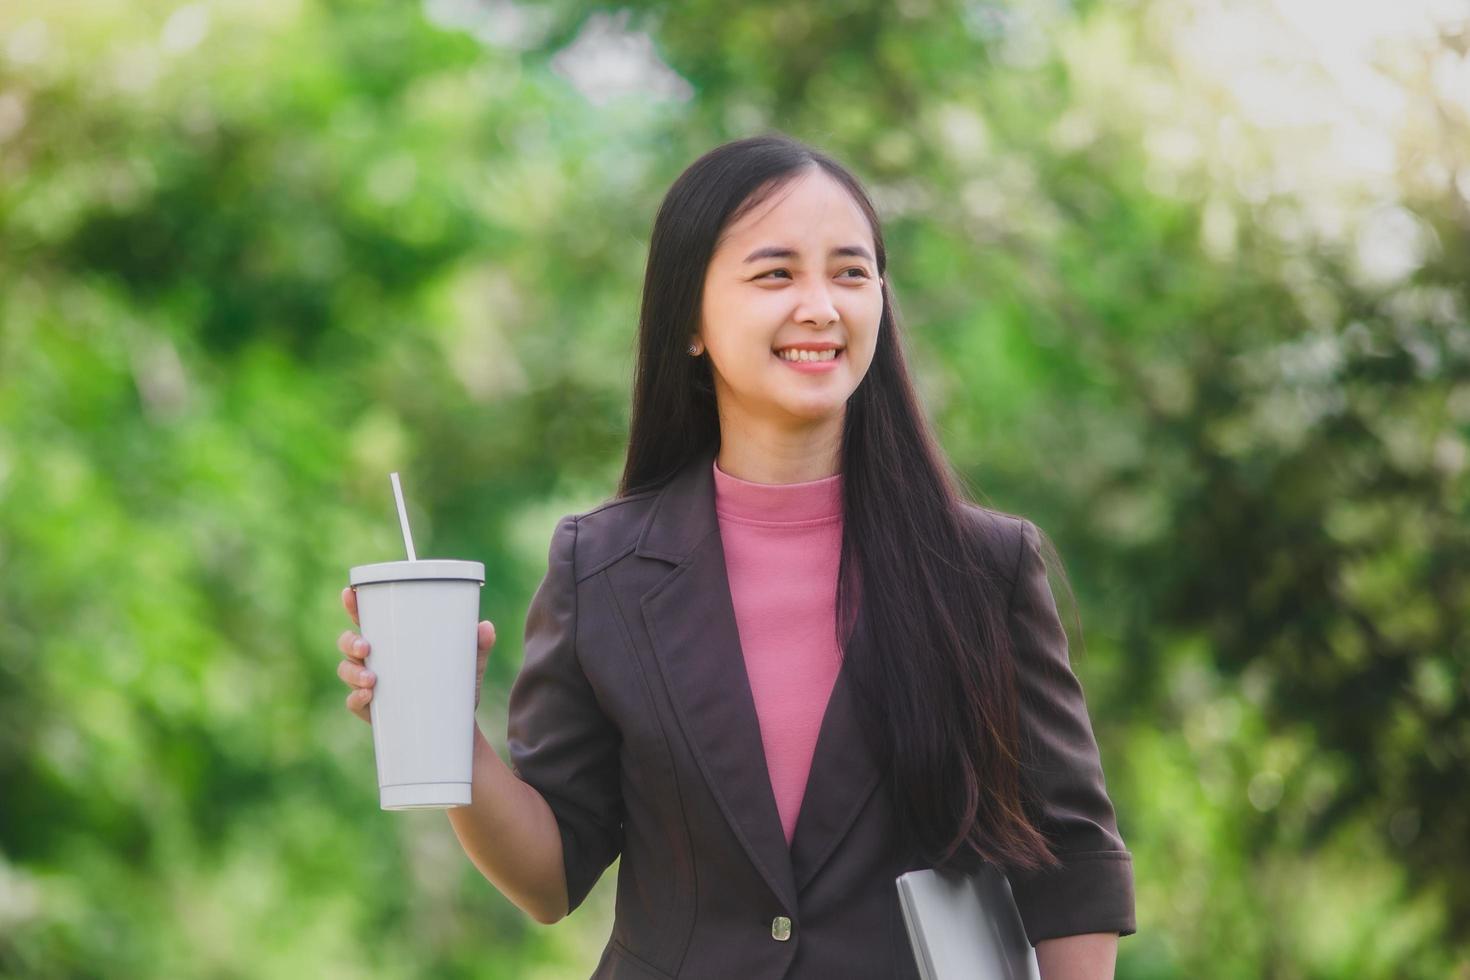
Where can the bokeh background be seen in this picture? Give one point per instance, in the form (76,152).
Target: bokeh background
(1184,282)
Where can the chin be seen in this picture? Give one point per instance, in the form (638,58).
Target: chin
(815,411)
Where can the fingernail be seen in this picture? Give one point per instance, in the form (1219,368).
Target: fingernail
(368,677)
(360,646)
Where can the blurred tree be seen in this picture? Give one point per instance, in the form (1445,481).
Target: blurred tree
(253,257)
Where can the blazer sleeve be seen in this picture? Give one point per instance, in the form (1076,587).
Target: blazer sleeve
(1092,891)
(560,740)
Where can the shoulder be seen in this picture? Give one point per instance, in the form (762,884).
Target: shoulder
(600,536)
(1003,537)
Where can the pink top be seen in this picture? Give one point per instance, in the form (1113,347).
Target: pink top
(782,543)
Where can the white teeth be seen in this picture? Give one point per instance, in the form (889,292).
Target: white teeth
(806,355)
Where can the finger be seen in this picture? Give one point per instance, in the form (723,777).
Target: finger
(357,703)
(357,648)
(349,599)
(352,645)
(487,634)
(355,674)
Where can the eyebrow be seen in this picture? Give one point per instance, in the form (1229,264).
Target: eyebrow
(783,252)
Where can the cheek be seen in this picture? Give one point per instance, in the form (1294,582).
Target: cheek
(743,351)
(870,318)
(866,351)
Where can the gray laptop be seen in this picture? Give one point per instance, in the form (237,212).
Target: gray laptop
(965,927)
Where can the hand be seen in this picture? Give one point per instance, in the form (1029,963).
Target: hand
(354,672)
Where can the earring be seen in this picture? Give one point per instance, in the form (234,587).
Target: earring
(693,349)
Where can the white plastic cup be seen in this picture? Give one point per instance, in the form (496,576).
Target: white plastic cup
(421,621)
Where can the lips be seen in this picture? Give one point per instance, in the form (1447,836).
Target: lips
(812,366)
(835,352)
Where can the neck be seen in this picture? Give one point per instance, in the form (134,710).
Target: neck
(781,457)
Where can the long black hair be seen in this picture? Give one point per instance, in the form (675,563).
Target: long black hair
(930,657)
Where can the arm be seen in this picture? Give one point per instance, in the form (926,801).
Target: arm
(1086,957)
(510,834)
(563,747)
(1092,890)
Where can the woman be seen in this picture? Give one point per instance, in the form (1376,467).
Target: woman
(789,660)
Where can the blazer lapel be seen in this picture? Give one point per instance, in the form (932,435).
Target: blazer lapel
(690,617)
(843,776)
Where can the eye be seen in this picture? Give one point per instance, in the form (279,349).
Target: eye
(862,273)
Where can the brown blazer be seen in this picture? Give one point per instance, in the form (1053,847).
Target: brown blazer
(632,715)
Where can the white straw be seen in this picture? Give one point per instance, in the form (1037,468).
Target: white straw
(402,516)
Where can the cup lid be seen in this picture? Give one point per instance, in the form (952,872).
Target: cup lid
(424,568)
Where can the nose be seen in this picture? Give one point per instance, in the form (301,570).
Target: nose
(815,306)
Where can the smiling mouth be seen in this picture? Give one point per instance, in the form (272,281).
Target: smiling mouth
(812,360)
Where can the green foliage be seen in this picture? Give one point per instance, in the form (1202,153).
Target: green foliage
(255,256)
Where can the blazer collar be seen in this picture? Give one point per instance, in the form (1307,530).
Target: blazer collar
(684,514)
(690,618)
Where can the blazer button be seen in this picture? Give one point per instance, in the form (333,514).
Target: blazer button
(781,928)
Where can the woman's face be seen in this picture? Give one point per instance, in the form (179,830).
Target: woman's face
(798,269)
